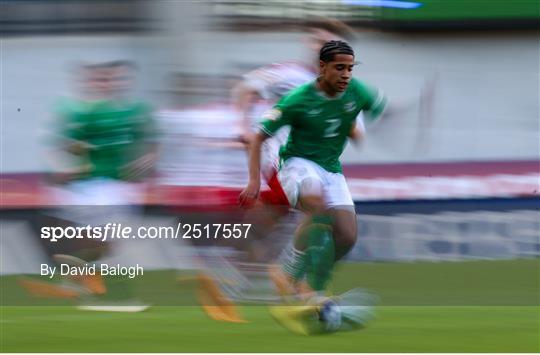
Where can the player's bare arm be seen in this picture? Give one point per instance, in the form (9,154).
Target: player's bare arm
(76,147)
(251,192)
(243,98)
(356,134)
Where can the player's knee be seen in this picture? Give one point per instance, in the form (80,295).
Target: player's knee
(311,198)
(312,204)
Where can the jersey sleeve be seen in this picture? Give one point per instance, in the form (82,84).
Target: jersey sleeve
(262,80)
(276,80)
(374,101)
(280,115)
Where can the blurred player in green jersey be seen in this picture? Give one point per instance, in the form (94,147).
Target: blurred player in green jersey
(271,82)
(259,90)
(110,134)
(108,140)
(322,116)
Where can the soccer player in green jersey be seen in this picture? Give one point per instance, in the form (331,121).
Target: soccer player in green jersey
(110,140)
(321,115)
(109,134)
(112,136)
(271,82)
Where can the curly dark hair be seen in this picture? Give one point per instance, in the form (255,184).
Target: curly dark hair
(331,48)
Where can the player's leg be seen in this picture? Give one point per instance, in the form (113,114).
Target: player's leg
(274,204)
(114,199)
(218,281)
(332,231)
(80,249)
(345,230)
(263,217)
(312,249)
(349,311)
(312,255)
(267,213)
(355,307)
(341,207)
(73,211)
(315,239)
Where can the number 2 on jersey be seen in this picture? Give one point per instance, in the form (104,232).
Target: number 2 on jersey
(333,127)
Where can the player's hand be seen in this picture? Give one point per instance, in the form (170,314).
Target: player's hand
(76,147)
(249,195)
(356,135)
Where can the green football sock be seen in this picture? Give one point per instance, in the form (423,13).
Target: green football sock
(293,262)
(320,256)
(312,253)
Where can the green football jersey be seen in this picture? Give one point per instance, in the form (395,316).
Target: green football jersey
(320,124)
(116,133)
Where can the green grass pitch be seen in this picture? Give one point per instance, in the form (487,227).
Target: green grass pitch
(489,306)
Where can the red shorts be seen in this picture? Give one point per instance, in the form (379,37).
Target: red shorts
(275,196)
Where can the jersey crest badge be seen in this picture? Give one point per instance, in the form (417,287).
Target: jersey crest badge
(350,106)
(272,114)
